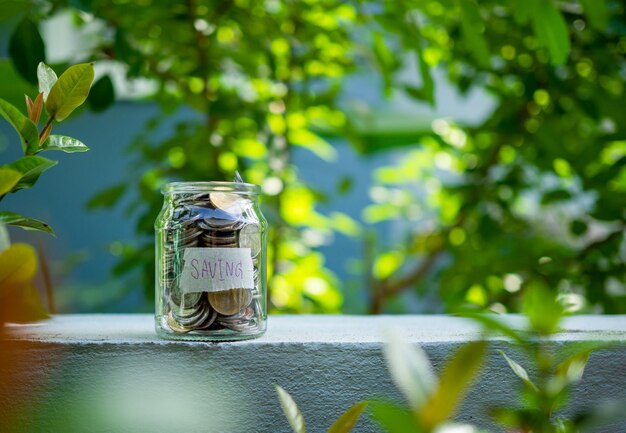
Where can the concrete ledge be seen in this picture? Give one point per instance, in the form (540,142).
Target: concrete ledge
(102,373)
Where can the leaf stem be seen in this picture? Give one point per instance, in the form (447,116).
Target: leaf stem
(48,123)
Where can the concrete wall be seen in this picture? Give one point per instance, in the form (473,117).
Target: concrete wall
(110,373)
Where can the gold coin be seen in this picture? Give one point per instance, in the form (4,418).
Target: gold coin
(229,302)
(175,326)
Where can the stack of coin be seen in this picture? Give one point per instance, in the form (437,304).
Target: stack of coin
(213,220)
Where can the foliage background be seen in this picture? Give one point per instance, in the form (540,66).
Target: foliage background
(466,215)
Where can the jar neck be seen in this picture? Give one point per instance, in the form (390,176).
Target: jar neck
(247,190)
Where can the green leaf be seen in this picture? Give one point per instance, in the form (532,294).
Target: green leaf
(13,219)
(26,129)
(5,241)
(491,323)
(394,418)
(70,90)
(26,49)
(453,382)
(313,142)
(8,179)
(597,13)
(542,308)
(107,197)
(519,371)
(290,408)
(345,423)
(13,86)
(410,370)
(521,11)
(427,90)
(102,94)
(571,370)
(551,30)
(386,61)
(31,168)
(46,77)
(472,28)
(11,8)
(64,144)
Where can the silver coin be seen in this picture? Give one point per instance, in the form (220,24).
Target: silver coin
(184,300)
(250,237)
(209,321)
(197,319)
(228,201)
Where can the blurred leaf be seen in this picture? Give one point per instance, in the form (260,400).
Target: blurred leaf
(491,323)
(18,265)
(519,371)
(551,30)
(456,377)
(31,168)
(13,219)
(472,27)
(26,49)
(8,179)
(386,60)
(102,94)
(11,8)
(5,241)
(387,263)
(543,309)
(69,91)
(12,86)
(394,418)
(345,185)
(555,196)
(410,370)
(46,78)
(64,144)
(22,307)
(346,422)
(291,411)
(578,227)
(571,370)
(597,13)
(314,143)
(522,11)
(344,224)
(603,416)
(427,90)
(25,127)
(107,198)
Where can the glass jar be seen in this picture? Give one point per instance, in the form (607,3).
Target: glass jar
(211,262)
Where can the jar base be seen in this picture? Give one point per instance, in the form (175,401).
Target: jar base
(163,331)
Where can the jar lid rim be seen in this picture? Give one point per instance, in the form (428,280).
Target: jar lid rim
(233,187)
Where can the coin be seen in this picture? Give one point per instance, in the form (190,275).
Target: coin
(174,326)
(229,302)
(228,201)
(241,321)
(250,237)
(209,320)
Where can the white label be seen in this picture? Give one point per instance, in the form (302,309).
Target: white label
(216,269)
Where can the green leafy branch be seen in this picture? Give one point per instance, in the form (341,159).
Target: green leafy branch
(60,96)
(431,401)
(545,389)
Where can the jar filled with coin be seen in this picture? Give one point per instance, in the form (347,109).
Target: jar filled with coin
(210,262)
